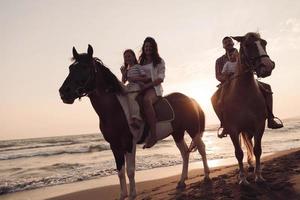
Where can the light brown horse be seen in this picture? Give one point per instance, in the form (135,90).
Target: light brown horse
(243,108)
(89,77)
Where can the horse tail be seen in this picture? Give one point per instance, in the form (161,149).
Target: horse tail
(249,146)
(201,116)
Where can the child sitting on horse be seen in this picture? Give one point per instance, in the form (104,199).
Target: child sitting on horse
(132,73)
(227,72)
(229,68)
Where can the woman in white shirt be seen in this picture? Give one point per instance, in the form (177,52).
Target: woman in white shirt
(154,68)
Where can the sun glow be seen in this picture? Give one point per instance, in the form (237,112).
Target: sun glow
(201,91)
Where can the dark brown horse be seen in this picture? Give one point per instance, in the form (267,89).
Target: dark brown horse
(243,107)
(89,77)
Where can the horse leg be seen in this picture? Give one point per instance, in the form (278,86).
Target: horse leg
(197,140)
(257,153)
(239,155)
(120,161)
(183,148)
(130,162)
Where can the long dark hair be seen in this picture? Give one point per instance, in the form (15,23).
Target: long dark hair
(156,59)
(133,54)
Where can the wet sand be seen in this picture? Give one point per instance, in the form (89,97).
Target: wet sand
(281,171)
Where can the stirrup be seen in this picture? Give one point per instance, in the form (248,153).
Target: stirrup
(220,135)
(278,120)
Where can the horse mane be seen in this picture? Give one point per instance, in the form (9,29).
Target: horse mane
(112,83)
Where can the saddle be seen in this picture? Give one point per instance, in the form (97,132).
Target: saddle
(163,111)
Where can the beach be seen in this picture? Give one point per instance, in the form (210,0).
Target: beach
(281,171)
(59,167)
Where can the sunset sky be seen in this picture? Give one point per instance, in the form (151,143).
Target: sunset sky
(37,37)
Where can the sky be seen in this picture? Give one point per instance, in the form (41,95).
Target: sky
(36,40)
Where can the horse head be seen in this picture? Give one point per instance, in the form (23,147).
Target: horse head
(80,78)
(253,54)
(86,74)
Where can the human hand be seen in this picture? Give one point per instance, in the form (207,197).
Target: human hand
(142,85)
(123,69)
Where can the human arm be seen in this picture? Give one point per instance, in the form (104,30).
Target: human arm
(140,78)
(124,74)
(218,71)
(159,76)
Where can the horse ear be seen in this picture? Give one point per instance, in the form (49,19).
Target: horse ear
(90,51)
(238,38)
(75,54)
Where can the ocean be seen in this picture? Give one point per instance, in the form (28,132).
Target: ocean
(33,163)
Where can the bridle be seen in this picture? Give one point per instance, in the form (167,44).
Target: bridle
(249,62)
(83,90)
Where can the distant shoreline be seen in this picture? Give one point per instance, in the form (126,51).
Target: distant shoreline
(209,127)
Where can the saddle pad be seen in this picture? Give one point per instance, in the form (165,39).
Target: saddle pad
(163,110)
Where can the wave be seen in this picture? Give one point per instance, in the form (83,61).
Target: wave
(13,148)
(52,152)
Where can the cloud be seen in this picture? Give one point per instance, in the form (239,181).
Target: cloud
(291,25)
(288,36)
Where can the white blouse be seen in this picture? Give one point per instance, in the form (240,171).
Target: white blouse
(154,73)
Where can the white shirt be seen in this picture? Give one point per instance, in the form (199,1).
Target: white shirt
(155,73)
(135,71)
(229,67)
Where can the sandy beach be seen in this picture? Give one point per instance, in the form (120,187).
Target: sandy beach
(281,171)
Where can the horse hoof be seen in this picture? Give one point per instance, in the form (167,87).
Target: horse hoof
(133,197)
(181,185)
(259,179)
(244,182)
(123,197)
(207,179)
(250,169)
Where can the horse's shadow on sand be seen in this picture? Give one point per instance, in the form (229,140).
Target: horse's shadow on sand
(225,187)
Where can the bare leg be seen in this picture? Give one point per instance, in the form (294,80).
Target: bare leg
(130,162)
(149,99)
(183,148)
(239,155)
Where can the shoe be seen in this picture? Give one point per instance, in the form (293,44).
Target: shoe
(273,124)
